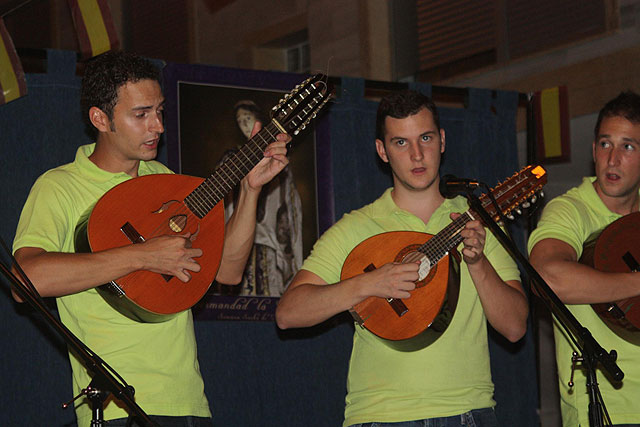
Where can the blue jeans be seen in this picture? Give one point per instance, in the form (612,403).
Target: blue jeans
(164,421)
(476,418)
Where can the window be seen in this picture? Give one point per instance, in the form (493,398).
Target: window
(297,58)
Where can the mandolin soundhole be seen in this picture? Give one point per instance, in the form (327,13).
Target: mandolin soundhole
(178,223)
(426,271)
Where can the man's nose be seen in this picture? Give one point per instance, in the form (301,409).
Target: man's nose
(614,157)
(416,152)
(157,124)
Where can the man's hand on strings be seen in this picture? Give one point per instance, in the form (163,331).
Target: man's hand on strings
(474,236)
(274,161)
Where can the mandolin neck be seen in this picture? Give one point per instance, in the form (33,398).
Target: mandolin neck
(232,170)
(448,238)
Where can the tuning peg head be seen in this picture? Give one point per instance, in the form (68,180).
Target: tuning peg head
(534,199)
(526,204)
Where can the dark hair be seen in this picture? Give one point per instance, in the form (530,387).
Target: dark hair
(247,104)
(403,104)
(626,105)
(105,74)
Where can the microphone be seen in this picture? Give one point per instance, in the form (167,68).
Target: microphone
(451,186)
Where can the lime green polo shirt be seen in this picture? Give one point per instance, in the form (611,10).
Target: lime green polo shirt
(158,359)
(449,377)
(573,218)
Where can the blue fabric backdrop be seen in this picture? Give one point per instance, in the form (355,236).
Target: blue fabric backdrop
(35,135)
(254,373)
(480,144)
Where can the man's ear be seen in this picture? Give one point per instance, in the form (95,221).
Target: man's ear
(593,151)
(381,150)
(442,141)
(99,119)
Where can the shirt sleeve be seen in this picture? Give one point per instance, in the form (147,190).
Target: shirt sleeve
(43,222)
(331,250)
(560,220)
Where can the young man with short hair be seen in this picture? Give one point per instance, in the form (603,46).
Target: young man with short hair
(448,381)
(556,245)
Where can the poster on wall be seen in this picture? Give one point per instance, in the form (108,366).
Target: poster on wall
(213,115)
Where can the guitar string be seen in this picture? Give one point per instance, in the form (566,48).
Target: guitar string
(198,200)
(244,169)
(220,181)
(449,237)
(207,195)
(203,204)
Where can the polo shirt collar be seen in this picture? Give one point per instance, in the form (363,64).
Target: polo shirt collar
(93,172)
(590,195)
(385,207)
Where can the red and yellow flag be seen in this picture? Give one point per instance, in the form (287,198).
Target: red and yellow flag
(12,82)
(552,125)
(94,25)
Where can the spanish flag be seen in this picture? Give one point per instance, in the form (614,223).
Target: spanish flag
(553,142)
(12,82)
(94,25)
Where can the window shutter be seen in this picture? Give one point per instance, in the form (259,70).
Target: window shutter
(450,30)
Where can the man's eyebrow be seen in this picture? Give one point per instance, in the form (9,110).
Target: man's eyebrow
(427,132)
(624,138)
(147,107)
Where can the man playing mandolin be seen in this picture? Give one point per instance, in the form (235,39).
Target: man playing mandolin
(122,100)
(449,379)
(556,245)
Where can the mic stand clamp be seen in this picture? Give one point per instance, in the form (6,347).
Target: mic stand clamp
(592,352)
(96,398)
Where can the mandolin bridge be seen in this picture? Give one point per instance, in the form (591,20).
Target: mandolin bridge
(397,305)
(131,233)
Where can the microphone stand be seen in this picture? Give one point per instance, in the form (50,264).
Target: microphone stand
(103,382)
(592,352)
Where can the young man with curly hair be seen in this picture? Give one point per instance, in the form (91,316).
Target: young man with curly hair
(122,100)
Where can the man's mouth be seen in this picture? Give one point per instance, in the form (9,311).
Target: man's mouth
(153,143)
